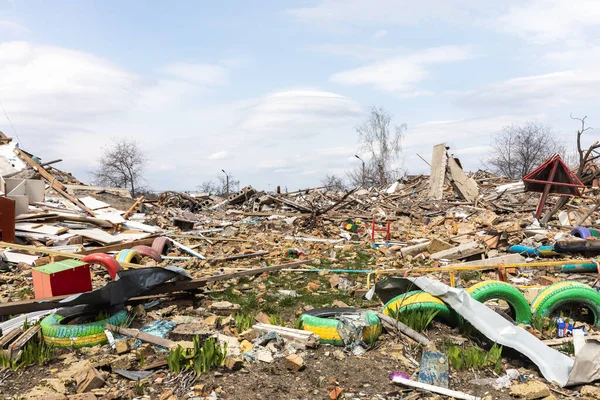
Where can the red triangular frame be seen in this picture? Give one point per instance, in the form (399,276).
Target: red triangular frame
(554,167)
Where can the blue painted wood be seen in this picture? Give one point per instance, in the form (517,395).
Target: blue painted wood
(434,368)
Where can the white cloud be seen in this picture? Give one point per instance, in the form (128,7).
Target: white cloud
(218,155)
(380,33)
(359,51)
(297,114)
(385,12)
(205,74)
(12,26)
(546,21)
(61,84)
(401,73)
(537,91)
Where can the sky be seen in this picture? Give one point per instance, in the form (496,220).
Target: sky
(272,91)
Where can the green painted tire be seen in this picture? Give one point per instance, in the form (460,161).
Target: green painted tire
(491,290)
(568,294)
(323,322)
(82,335)
(594,232)
(541,296)
(419,300)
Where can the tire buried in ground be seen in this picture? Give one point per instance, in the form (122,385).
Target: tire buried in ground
(497,290)
(419,300)
(324,322)
(561,294)
(58,333)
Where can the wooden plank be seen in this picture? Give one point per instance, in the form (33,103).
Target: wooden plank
(93,203)
(6,339)
(52,181)
(507,259)
(21,307)
(559,341)
(135,205)
(97,234)
(144,337)
(391,324)
(465,185)
(433,368)
(456,253)
(40,228)
(22,340)
(439,159)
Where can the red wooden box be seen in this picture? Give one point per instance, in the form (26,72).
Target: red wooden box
(61,278)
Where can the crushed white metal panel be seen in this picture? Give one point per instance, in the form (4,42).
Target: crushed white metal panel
(554,365)
(9,161)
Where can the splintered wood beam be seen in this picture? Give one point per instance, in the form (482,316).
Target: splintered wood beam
(52,181)
(135,205)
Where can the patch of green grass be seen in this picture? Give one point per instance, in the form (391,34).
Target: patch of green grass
(247,301)
(138,387)
(270,309)
(465,328)
(567,348)
(474,357)
(287,301)
(33,353)
(356,260)
(471,276)
(275,320)
(540,323)
(418,320)
(200,359)
(244,321)
(25,293)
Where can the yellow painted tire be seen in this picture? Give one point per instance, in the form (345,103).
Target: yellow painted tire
(324,323)
(129,256)
(419,300)
(58,334)
(548,290)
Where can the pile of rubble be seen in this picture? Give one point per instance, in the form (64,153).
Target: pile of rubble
(305,294)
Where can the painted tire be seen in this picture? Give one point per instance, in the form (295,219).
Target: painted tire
(594,232)
(129,256)
(419,300)
(323,322)
(541,296)
(107,261)
(491,290)
(581,232)
(147,251)
(82,335)
(161,245)
(573,294)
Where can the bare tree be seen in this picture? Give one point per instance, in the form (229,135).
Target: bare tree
(209,187)
(121,165)
(585,171)
(334,182)
(518,149)
(381,140)
(220,187)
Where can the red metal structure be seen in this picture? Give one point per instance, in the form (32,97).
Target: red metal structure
(387,230)
(553,176)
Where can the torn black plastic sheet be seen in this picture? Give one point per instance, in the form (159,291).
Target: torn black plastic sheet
(554,365)
(131,283)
